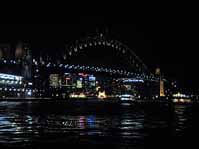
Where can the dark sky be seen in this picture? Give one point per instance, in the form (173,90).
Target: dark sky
(165,41)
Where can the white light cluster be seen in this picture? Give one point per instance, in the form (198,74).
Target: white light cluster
(133,80)
(10,77)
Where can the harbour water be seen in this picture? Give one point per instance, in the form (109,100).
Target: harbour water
(38,124)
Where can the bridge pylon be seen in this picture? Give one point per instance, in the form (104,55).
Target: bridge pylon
(161,93)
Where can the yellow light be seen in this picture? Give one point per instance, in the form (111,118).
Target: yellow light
(97,88)
(82,95)
(157,71)
(102,95)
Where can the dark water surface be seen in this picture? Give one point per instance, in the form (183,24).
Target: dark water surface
(95,125)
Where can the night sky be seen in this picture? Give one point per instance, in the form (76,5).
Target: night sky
(165,41)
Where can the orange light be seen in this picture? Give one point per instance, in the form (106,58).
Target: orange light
(162,88)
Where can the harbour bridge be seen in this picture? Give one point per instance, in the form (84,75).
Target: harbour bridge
(97,55)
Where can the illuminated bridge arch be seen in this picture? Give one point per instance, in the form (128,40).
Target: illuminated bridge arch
(76,50)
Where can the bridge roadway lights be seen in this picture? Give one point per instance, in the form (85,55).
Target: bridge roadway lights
(101,69)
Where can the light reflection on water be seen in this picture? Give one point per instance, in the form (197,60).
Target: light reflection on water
(181,119)
(125,124)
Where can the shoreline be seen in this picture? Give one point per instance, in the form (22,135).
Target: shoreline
(90,100)
(96,100)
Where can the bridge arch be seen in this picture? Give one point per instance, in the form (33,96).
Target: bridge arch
(135,64)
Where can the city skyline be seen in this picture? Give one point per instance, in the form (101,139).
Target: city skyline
(173,61)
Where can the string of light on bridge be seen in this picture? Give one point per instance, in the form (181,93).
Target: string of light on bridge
(85,68)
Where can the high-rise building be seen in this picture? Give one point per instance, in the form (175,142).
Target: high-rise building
(24,54)
(19,52)
(27,62)
(5,51)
